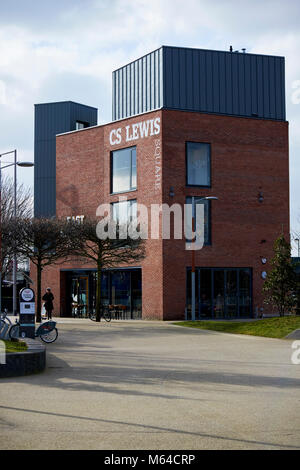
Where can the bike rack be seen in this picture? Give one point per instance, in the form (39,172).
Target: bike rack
(4,328)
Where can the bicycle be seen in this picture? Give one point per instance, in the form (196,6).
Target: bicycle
(5,320)
(47,332)
(105,313)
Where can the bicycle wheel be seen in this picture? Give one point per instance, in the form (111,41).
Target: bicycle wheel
(2,326)
(107,315)
(50,337)
(92,316)
(14,331)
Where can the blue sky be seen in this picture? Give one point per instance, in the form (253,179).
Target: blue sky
(67,50)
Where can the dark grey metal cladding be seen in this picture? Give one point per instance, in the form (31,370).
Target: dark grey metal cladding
(219,82)
(52,119)
(137,87)
(200,80)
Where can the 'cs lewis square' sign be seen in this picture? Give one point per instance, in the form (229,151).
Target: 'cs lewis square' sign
(139,130)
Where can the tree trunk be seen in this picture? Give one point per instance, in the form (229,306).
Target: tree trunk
(298,301)
(39,294)
(281,311)
(98,294)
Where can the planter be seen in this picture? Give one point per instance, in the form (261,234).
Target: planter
(32,361)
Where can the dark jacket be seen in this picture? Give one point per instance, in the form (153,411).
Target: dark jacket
(48,298)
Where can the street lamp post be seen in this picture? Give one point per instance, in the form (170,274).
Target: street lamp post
(208,198)
(14,164)
(193,273)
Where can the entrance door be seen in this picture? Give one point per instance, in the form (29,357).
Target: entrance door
(120,288)
(80,297)
(205,293)
(231,293)
(218,299)
(245,294)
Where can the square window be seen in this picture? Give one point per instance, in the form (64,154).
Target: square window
(81,125)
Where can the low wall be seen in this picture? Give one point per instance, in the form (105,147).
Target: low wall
(27,362)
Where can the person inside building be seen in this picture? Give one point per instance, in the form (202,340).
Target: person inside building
(48,299)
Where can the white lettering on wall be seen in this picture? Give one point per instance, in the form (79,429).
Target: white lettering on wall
(140,130)
(76,218)
(115,136)
(157,165)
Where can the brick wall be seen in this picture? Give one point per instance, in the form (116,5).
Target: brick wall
(248,156)
(83,183)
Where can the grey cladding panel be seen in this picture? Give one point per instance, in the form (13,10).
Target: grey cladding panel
(226,83)
(200,80)
(137,86)
(45,197)
(52,119)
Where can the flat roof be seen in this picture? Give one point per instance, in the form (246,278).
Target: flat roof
(64,102)
(110,122)
(196,49)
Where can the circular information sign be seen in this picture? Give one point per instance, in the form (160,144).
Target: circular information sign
(27,295)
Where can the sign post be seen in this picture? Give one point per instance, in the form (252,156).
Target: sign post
(27,313)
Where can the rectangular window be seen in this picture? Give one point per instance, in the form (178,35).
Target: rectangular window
(124,212)
(81,125)
(123,170)
(207,216)
(198,164)
(221,293)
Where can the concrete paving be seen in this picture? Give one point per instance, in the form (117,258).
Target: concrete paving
(149,385)
(294,335)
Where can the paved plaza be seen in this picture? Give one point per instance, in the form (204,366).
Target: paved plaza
(152,385)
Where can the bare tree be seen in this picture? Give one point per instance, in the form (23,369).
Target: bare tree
(24,210)
(24,200)
(44,241)
(106,253)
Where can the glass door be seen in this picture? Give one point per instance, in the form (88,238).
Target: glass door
(79,292)
(218,290)
(231,293)
(205,293)
(136,294)
(245,294)
(120,288)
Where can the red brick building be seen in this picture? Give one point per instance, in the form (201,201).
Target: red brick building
(169,156)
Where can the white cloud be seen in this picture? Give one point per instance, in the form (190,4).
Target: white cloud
(3,94)
(67,50)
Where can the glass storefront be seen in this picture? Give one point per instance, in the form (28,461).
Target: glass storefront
(120,287)
(221,293)
(80,296)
